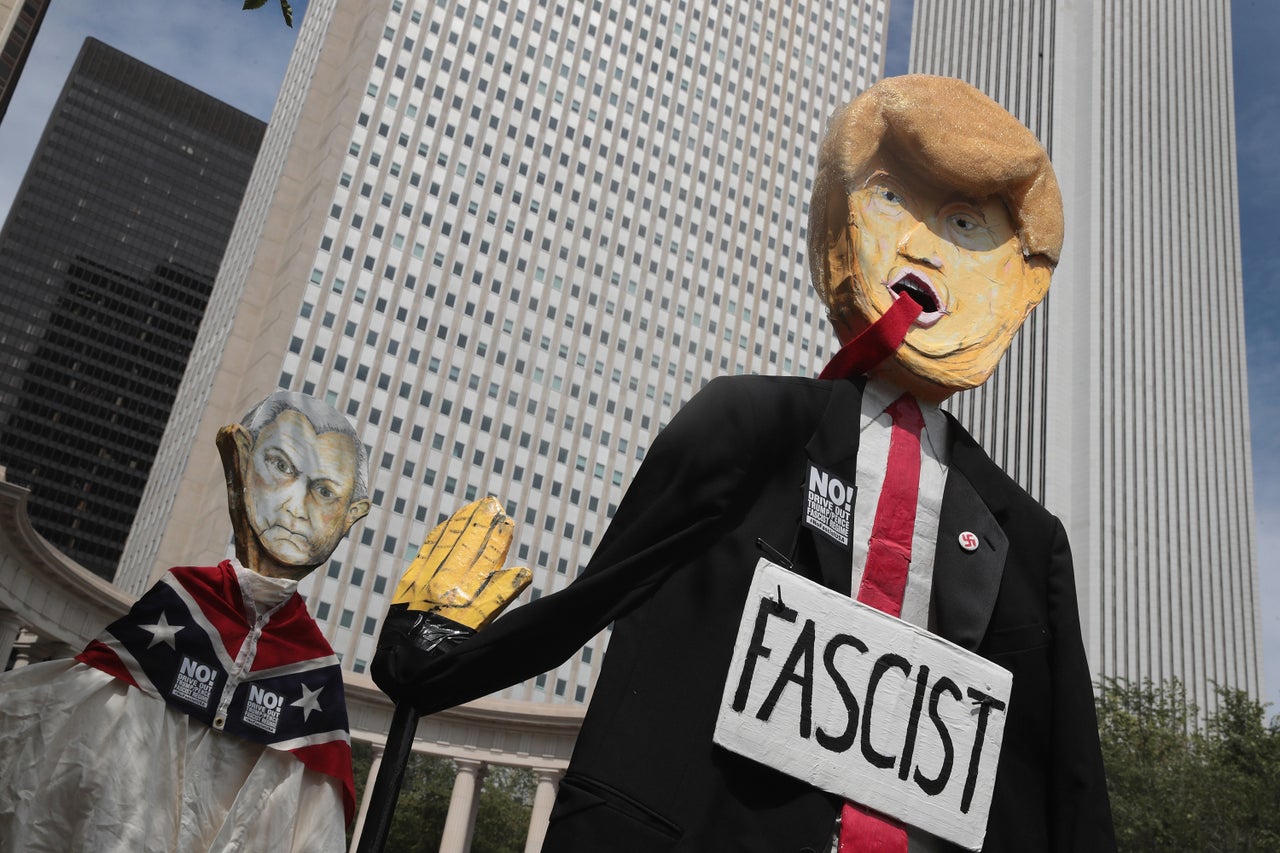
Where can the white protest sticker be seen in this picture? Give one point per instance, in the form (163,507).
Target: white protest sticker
(828,505)
(194,683)
(262,709)
(864,705)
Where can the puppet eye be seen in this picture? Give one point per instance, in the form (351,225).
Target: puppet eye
(972,232)
(323,490)
(890,195)
(279,463)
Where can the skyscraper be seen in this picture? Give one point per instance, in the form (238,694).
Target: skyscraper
(106,261)
(19,22)
(1123,405)
(510,249)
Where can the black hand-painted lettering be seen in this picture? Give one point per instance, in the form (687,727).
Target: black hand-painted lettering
(801,653)
(985,704)
(913,723)
(934,786)
(757,649)
(882,665)
(845,739)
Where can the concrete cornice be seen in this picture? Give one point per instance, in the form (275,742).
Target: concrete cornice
(57,597)
(500,731)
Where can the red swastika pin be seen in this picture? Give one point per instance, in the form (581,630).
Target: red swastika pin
(968,541)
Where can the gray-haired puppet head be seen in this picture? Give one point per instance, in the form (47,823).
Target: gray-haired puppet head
(297,480)
(323,417)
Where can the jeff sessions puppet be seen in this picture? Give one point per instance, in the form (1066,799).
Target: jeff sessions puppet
(212,716)
(935,215)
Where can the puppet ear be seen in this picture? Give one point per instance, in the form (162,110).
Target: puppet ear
(235,446)
(840,268)
(235,442)
(358,510)
(838,257)
(1039,271)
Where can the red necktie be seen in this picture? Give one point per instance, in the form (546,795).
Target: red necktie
(876,343)
(883,580)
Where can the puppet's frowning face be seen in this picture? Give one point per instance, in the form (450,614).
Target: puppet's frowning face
(959,257)
(298,492)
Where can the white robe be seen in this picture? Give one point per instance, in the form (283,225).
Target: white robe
(89,763)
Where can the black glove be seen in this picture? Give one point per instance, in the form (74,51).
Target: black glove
(411,641)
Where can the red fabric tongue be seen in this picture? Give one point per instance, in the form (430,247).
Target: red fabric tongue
(876,343)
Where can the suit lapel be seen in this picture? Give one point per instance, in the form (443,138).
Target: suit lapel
(966,583)
(833,447)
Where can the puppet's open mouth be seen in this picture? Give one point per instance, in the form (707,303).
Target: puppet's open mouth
(921,290)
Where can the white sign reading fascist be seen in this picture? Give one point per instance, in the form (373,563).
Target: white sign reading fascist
(866,706)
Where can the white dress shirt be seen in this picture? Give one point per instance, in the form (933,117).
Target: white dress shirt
(875,427)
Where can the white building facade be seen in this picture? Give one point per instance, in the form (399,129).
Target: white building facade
(510,238)
(1123,405)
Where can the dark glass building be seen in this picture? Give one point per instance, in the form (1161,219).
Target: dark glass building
(106,262)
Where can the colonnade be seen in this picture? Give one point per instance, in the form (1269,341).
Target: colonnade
(464,803)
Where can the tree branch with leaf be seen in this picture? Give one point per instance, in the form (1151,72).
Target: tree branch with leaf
(285,8)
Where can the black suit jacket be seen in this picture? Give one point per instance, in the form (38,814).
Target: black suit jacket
(671,574)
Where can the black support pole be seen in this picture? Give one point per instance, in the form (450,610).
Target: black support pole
(386,787)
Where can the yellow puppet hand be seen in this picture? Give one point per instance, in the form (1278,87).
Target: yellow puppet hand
(458,572)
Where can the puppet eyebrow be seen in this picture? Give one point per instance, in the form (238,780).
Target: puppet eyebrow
(336,484)
(971,207)
(976,203)
(878,174)
(280,451)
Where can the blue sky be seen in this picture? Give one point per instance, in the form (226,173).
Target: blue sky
(240,57)
(237,56)
(1255,30)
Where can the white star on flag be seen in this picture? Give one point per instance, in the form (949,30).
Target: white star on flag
(162,632)
(309,702)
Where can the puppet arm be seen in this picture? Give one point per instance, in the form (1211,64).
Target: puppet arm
(679,499)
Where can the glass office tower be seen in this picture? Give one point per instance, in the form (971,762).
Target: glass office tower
(106,262)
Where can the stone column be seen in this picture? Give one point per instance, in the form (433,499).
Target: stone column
(463,802)
(542,802)
(475,805)
(378,749)
(10,625)
(24,643)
